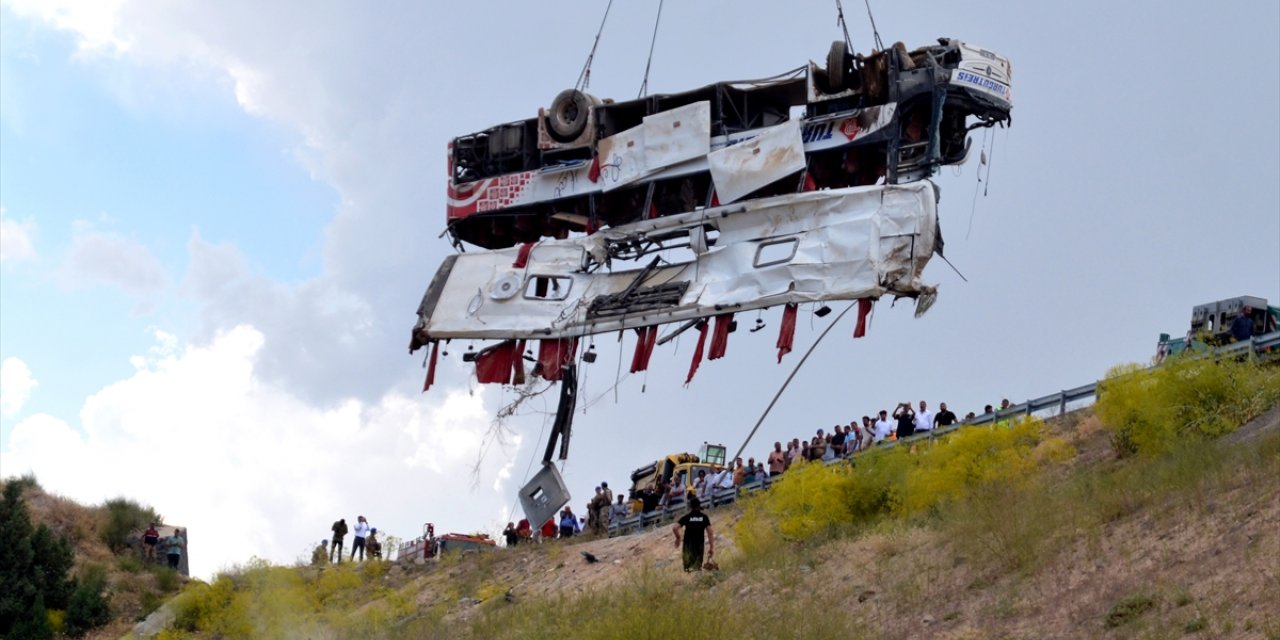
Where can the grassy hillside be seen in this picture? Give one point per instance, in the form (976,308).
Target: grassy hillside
(1156,515)
(99,537)
(1161,521)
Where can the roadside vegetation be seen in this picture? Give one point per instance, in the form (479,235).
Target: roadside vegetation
(68,570)
(1136,519)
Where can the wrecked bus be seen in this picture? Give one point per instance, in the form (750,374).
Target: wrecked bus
(583,164)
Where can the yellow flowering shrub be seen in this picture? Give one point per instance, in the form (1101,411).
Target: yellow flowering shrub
(1151,411)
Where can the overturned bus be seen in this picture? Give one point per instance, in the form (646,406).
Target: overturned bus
(584,164)
(689,208)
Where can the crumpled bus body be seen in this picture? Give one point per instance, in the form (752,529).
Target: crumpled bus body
(836,244)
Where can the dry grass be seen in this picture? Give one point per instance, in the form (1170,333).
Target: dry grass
(134,590)
(1152,546)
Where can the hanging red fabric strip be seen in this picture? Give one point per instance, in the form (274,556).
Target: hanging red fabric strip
(864,310)
(554,354)
(809,183)
(635,355)
(645,339)
(720,337)
(649,336)
(522,258)
(431,368)
(697,351)
(517,363)
(787,332)
(653,341)
(593,174)
(493,365)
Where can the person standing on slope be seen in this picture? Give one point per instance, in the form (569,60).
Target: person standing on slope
(339,532)
(696,527)
(174,545)
(362,532)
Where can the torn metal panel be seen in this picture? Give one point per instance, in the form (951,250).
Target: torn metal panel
(677,135)
(744,167)
(622,159)
(663,140)
(840,244)
(544,495)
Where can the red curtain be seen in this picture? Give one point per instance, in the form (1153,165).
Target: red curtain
(495,364)
(554,354)
(522,258)
(720,336)
(697,351)
(646,337)
(864,310)
(431,368)
(787,332)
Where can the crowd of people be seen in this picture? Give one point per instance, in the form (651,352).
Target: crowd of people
(840,442)
(365,540)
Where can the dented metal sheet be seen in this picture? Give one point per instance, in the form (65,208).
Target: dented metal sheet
(841,244)
(742,168)
(672,137)
(663,140)
(622,158)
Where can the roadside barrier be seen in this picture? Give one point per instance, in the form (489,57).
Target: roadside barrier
(1265,346)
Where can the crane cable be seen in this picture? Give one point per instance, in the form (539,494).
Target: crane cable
(584,78)
(843,25)
(788,381)
(874,30)
(644,86)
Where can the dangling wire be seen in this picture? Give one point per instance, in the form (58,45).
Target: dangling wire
(977,186)
(644,86)
(584,78)
(845,27)
(876,32)
(789,378)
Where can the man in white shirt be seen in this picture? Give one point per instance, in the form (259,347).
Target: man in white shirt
(619,510)
(924,419)
(702,486)
(361,531)
(883,427)
(723,482)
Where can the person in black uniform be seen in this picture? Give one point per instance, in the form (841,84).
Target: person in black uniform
(696,527)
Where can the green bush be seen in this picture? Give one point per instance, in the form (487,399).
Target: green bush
(125,520)
(88,608)
(1129,609)
(34,566)
(34,625)
(129,563)
(51,564)
(1185,399)
(167,579)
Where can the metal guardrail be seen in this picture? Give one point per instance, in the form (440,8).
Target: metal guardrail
(1263,346)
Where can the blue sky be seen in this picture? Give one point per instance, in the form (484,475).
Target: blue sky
(233,209)
(75,155)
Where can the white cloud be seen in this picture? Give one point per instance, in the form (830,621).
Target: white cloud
(112,259)
(250,468)
(16,385)
(326,73)
(95,20)
(15,239)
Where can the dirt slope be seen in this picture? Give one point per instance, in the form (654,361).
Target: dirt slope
(1208,564)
